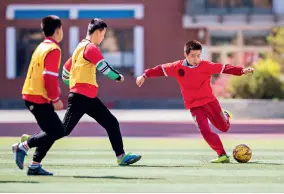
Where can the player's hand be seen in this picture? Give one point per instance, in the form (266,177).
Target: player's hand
(121,79)
(140,80)
(58,105)
(248,70)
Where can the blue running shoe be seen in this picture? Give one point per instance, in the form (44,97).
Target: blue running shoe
(19,156)
(128,159)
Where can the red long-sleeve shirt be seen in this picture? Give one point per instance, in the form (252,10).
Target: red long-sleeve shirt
(50,76)
(194,81)
(158,71)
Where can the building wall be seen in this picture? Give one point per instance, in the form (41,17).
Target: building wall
(164,37)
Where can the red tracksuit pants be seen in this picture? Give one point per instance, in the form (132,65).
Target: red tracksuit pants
(214,113)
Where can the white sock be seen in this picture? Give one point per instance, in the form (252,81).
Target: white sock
(24,146)
(34,165)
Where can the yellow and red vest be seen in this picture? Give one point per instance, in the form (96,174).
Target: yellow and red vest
(34,83)
(82,70)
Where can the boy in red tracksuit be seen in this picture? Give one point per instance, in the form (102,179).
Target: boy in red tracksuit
(193,76)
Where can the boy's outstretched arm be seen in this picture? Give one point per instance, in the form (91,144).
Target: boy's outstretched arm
(234,70)
(153,72)
(103,67)
(109,71)
(94,55)
(168,69)
(218,68)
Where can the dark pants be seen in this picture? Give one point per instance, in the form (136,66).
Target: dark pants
(51,126)
(78,105)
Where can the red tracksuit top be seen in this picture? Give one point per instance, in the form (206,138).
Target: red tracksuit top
(194,81)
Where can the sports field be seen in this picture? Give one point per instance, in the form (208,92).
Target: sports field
(168,165)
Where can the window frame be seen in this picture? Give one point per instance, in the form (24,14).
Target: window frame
(240,48)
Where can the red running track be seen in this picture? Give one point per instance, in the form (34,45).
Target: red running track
(144,129)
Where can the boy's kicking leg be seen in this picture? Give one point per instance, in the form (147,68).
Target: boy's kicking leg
(78,105)
(103,116)
(201,119)
(220,119)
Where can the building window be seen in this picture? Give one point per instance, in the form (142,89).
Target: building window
(265,4)
(122,48)
(26,42)
(118,49)
(217,7)
(216,57)
(240,47)
(216,3)
(255,38)
(218,38)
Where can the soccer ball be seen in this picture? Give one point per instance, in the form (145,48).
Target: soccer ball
(242,153)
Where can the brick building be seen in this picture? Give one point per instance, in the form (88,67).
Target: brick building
(141,34)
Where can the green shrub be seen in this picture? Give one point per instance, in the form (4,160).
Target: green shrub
(265,83)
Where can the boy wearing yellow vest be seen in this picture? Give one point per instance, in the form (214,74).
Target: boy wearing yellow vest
(79,72)
(41,95)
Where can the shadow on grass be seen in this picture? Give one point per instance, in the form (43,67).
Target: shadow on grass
(133,166)
(162,166)
(266,163)
(109,177)
(28,182)
(259,162)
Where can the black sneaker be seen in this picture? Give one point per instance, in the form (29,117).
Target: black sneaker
(39,171)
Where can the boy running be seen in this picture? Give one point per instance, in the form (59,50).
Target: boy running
(193,76)
(41,95)
(79,73)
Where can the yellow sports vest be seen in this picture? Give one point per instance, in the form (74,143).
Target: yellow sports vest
(34,83)
(82,71)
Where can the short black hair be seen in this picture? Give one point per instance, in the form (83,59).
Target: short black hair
(192,45)
(49,24)
(96,24)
